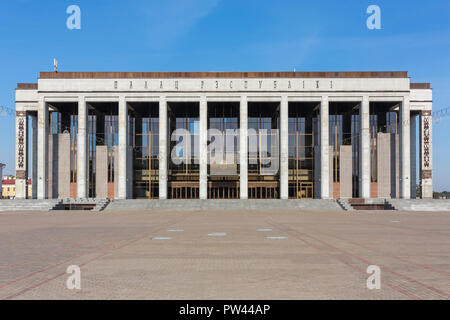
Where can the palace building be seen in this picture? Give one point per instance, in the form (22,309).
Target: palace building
(285,135)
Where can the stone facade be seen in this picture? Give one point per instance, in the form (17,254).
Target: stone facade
(395,166)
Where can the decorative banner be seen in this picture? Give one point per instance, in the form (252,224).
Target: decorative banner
(21,139)
(426,142)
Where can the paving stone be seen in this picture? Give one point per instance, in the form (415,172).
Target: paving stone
(325,254)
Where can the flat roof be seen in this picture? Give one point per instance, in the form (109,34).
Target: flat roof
(234,75)
(27,86)
(424,85)
(242,75)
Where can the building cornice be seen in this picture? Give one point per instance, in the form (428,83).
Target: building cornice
(228,75)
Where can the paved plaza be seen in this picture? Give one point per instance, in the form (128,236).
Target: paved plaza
(224,254)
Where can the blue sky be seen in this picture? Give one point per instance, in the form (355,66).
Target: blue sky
(228,35)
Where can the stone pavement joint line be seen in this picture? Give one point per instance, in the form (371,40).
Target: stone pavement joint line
(439,294)
(146,235)
(325,255)
(383,253)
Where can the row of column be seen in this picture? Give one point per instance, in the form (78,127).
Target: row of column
(406,166)
(325,192)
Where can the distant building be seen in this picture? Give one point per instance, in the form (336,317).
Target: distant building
(2,165)
(9,188)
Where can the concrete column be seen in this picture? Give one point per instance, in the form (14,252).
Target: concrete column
(203,128)
(130,168)
(34,156)
(123,142)
(116,171)
(82,149)
(426,154)
(405,150)
(317,162)
(324,149)
(243,148)
(284,148)
(21,155)
(413,156)
(364,149)
(395,187)
(330,172)
(42,148)
(163,148)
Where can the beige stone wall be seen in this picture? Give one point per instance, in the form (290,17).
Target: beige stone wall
(63,188)
(59,166)
(384,164)
(101,172)
(345,173)
(388,165)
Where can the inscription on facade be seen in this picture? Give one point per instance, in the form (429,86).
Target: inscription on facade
(427,174)
(21,174)
(21,140)
(176,85)
(426,142)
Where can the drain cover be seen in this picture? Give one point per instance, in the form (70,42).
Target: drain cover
(217,234)
(162,238)
(277,238)
(175,230)
(263,230)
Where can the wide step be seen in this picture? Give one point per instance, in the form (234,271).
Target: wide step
(194,205)
(370,204)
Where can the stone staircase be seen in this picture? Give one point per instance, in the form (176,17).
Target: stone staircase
(204,205)
(101,205)
(345,205)
(397,204)
(420,204)
(370,204)
(28,205)
(93,204)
